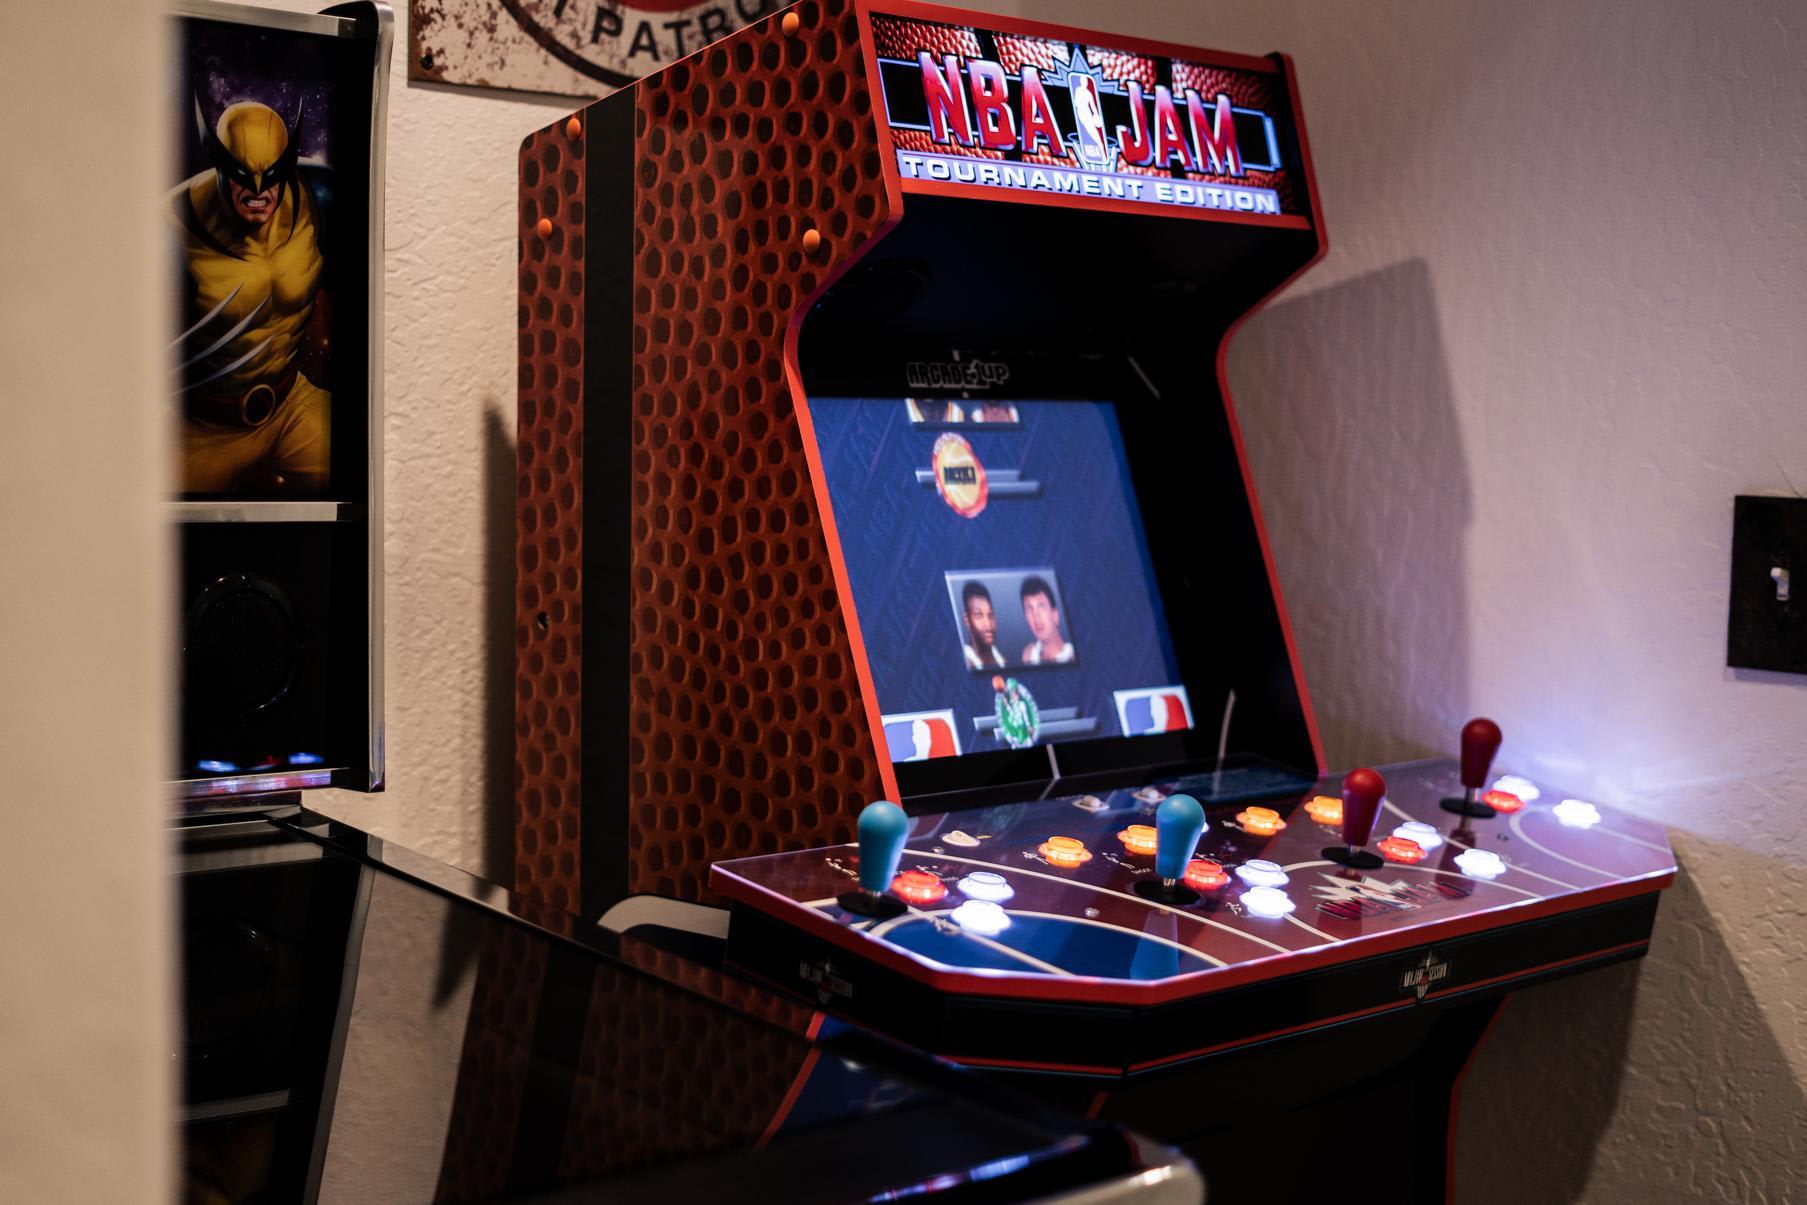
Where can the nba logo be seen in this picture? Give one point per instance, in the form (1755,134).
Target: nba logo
(1088,112)
(920,735)
(1155,709)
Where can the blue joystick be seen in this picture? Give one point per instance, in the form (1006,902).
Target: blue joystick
(1178,823)
(882,827)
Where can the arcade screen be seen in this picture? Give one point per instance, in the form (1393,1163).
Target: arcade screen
(998,564)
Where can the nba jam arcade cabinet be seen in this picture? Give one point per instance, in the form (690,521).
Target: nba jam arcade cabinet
(874,444)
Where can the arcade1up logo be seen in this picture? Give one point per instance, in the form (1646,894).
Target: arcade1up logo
(995,110)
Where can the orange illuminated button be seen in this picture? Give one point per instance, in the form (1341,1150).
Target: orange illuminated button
(918,887)
(1325,809)
(1138,839)
(1401,849)
(1202,874)
(1065,851)
(1263,822)
(1502,801)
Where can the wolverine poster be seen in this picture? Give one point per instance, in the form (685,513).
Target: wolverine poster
(268,238)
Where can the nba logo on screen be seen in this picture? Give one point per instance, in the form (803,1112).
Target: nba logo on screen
(920,735)
(1088,112)
(1154,709)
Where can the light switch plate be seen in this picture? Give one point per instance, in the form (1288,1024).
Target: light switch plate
(1767,628)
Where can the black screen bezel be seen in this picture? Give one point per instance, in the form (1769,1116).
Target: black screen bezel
(1014,774)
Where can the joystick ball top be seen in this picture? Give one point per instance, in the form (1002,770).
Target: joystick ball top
(1362,792)
(883,827)
(1178,823)
(1480,741)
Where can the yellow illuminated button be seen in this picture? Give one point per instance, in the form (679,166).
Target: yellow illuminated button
(1325,809)
(1138,839)
(1065,851)
(1263,822)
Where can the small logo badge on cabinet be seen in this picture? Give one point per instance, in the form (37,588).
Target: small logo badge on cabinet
(1420,978)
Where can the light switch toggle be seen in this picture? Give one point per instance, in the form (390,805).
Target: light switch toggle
(1766,621)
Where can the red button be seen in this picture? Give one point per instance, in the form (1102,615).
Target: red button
(1202,874)
(1502,801)
(918,887)
(1401,849)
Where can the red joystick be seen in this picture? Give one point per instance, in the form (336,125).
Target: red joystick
(1480,741)
(1363,790)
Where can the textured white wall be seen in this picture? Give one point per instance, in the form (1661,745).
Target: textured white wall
(86,1089)
(1497,434)
(449,464)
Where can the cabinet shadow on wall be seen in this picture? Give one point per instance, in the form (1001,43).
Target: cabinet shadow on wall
(1662,1079)
(498,643)
(1349,418)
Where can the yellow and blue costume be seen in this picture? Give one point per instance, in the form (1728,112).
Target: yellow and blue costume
(251,231)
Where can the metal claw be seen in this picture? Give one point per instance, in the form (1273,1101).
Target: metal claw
(226,338)
(230,368)
(182,338)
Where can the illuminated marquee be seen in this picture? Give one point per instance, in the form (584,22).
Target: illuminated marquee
(1016,112)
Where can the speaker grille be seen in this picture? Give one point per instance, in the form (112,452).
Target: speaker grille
(243,646)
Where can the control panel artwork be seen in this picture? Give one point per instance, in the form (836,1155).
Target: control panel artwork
(1077,898)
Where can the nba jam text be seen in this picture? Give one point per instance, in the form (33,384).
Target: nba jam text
(1068,129)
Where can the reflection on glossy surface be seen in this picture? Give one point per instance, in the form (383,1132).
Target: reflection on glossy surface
(355,1034)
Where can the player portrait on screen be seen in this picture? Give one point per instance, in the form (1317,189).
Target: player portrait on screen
(933,412)
(993,413)
(982,651)
(1041,611)
(1009,617)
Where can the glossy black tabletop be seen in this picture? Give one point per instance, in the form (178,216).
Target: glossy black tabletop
(364,1024)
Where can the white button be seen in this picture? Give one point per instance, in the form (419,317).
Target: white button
(1524,788)
(981,917)
(1481,863)
(1269,902)
(1261,873)
(986,885)
(1577,813)
(1426,835)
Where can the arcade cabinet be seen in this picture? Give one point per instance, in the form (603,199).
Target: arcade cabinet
(875,446)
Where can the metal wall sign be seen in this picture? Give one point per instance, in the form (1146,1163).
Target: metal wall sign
(569,47)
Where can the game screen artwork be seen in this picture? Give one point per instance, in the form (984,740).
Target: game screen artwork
(997,561)
(251,221)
